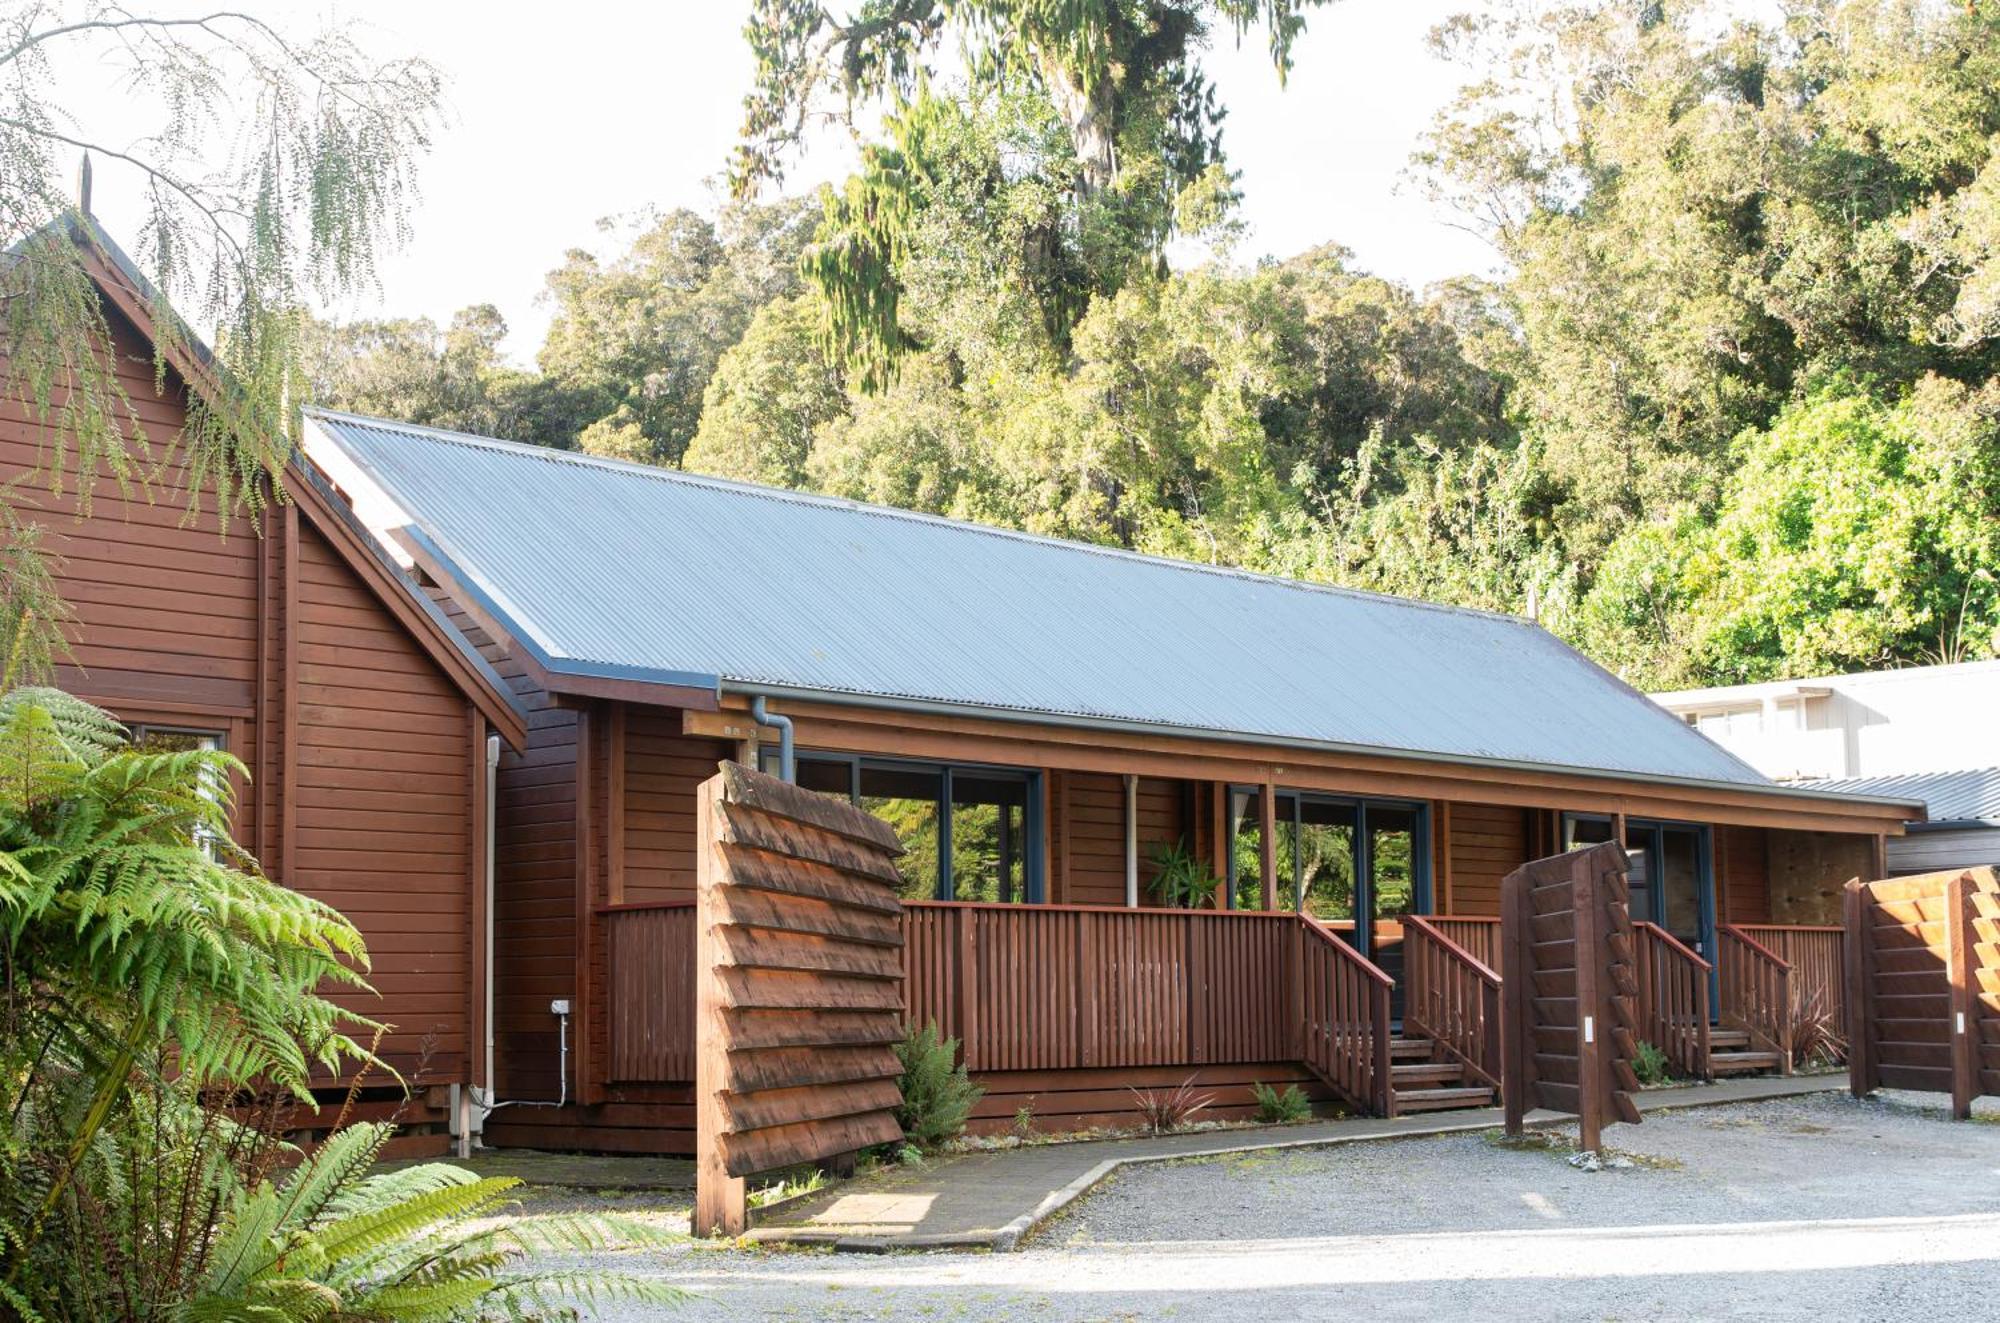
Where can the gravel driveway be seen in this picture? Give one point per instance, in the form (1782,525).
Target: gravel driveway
(1817,1207)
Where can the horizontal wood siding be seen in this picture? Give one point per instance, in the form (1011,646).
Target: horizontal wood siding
(360,750)
(1488,841)
(534,913)
(1094,813)
(1743,874)
(1065,1101)
(663,769)
(384,807)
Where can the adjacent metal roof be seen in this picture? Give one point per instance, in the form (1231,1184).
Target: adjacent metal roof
(1955,799)
(611,569)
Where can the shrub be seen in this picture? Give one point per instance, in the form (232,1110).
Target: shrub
(938,1096)
(1182,881)
(1168,1110)
(1816,1035)
(1273,1106)
(1649,1063)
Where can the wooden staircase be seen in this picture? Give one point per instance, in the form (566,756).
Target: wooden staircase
(1730,1053)
(1423,1079)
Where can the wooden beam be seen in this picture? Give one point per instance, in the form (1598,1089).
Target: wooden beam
(614,809)
(1267,843)
(1961,972)
(1131,841)
(1024,744)
(1442,816)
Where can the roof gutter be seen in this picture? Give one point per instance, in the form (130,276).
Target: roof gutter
(1119,725)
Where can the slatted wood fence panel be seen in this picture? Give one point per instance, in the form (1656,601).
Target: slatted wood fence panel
(1569,996)
(799,990)
(1479,936)
(651,993)
(1067,987)
(1923,984)
(1451,997)
(1673,998)
(1818,966)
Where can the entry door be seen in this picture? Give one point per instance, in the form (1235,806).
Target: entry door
(1674,886)
(1394,876)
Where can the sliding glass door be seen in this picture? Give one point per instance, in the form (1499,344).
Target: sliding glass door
(1357,865)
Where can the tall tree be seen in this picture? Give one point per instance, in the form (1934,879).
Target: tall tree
(1141,151)
(280,168)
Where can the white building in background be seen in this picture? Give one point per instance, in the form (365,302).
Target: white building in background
(1926,732)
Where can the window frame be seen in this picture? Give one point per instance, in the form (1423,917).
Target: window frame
(1421,882)
(1034,872)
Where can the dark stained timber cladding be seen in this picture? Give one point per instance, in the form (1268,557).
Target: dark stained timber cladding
(799,978)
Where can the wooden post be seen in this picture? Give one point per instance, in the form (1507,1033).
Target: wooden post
(1857,954)
(1131,841)
(968,984)
(1385,1056)
(1959,970)
(1267,843)
(1444,901)
(1590,1028)
(1517,1049)
(721,1201)
(1879,856)
(615,719)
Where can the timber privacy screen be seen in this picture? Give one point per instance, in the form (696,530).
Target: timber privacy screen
(1923,984)
(798,1002)
(1569,990)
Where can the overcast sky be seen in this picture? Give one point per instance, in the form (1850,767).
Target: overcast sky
(562,114)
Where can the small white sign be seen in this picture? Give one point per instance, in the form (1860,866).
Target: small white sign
(1961,1022)
(1590,1029)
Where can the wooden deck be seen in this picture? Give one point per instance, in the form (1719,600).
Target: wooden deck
(1063,1010)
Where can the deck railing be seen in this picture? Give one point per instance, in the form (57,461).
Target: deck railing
(1451,996)
(1342,1012)
(1060,987)
(1673,998)
(1818,960)
(649,983)
(1756,989)
(1480,936)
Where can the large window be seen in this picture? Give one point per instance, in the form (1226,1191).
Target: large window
(1332,854)
(972,833)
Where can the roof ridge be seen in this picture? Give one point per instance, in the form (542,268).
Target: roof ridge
(791,495)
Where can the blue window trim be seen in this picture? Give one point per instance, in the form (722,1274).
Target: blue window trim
(1363,861)
(1034,873)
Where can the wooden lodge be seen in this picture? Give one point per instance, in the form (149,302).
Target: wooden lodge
(1050,729)
(294,643)
(477,686)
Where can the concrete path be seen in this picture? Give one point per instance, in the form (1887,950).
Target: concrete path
(991,1200)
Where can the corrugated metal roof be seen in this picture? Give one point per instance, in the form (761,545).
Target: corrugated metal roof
(1972,795)
(608,568)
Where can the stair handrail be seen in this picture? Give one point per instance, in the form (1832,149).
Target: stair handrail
(1673,997)
(1452,997)
(1756,988)
(1343,1024)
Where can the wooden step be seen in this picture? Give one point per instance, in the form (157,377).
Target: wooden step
(1410,1049)
(1740,1063)
(1728,1038)
(1426,1072)
(1437,1100)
